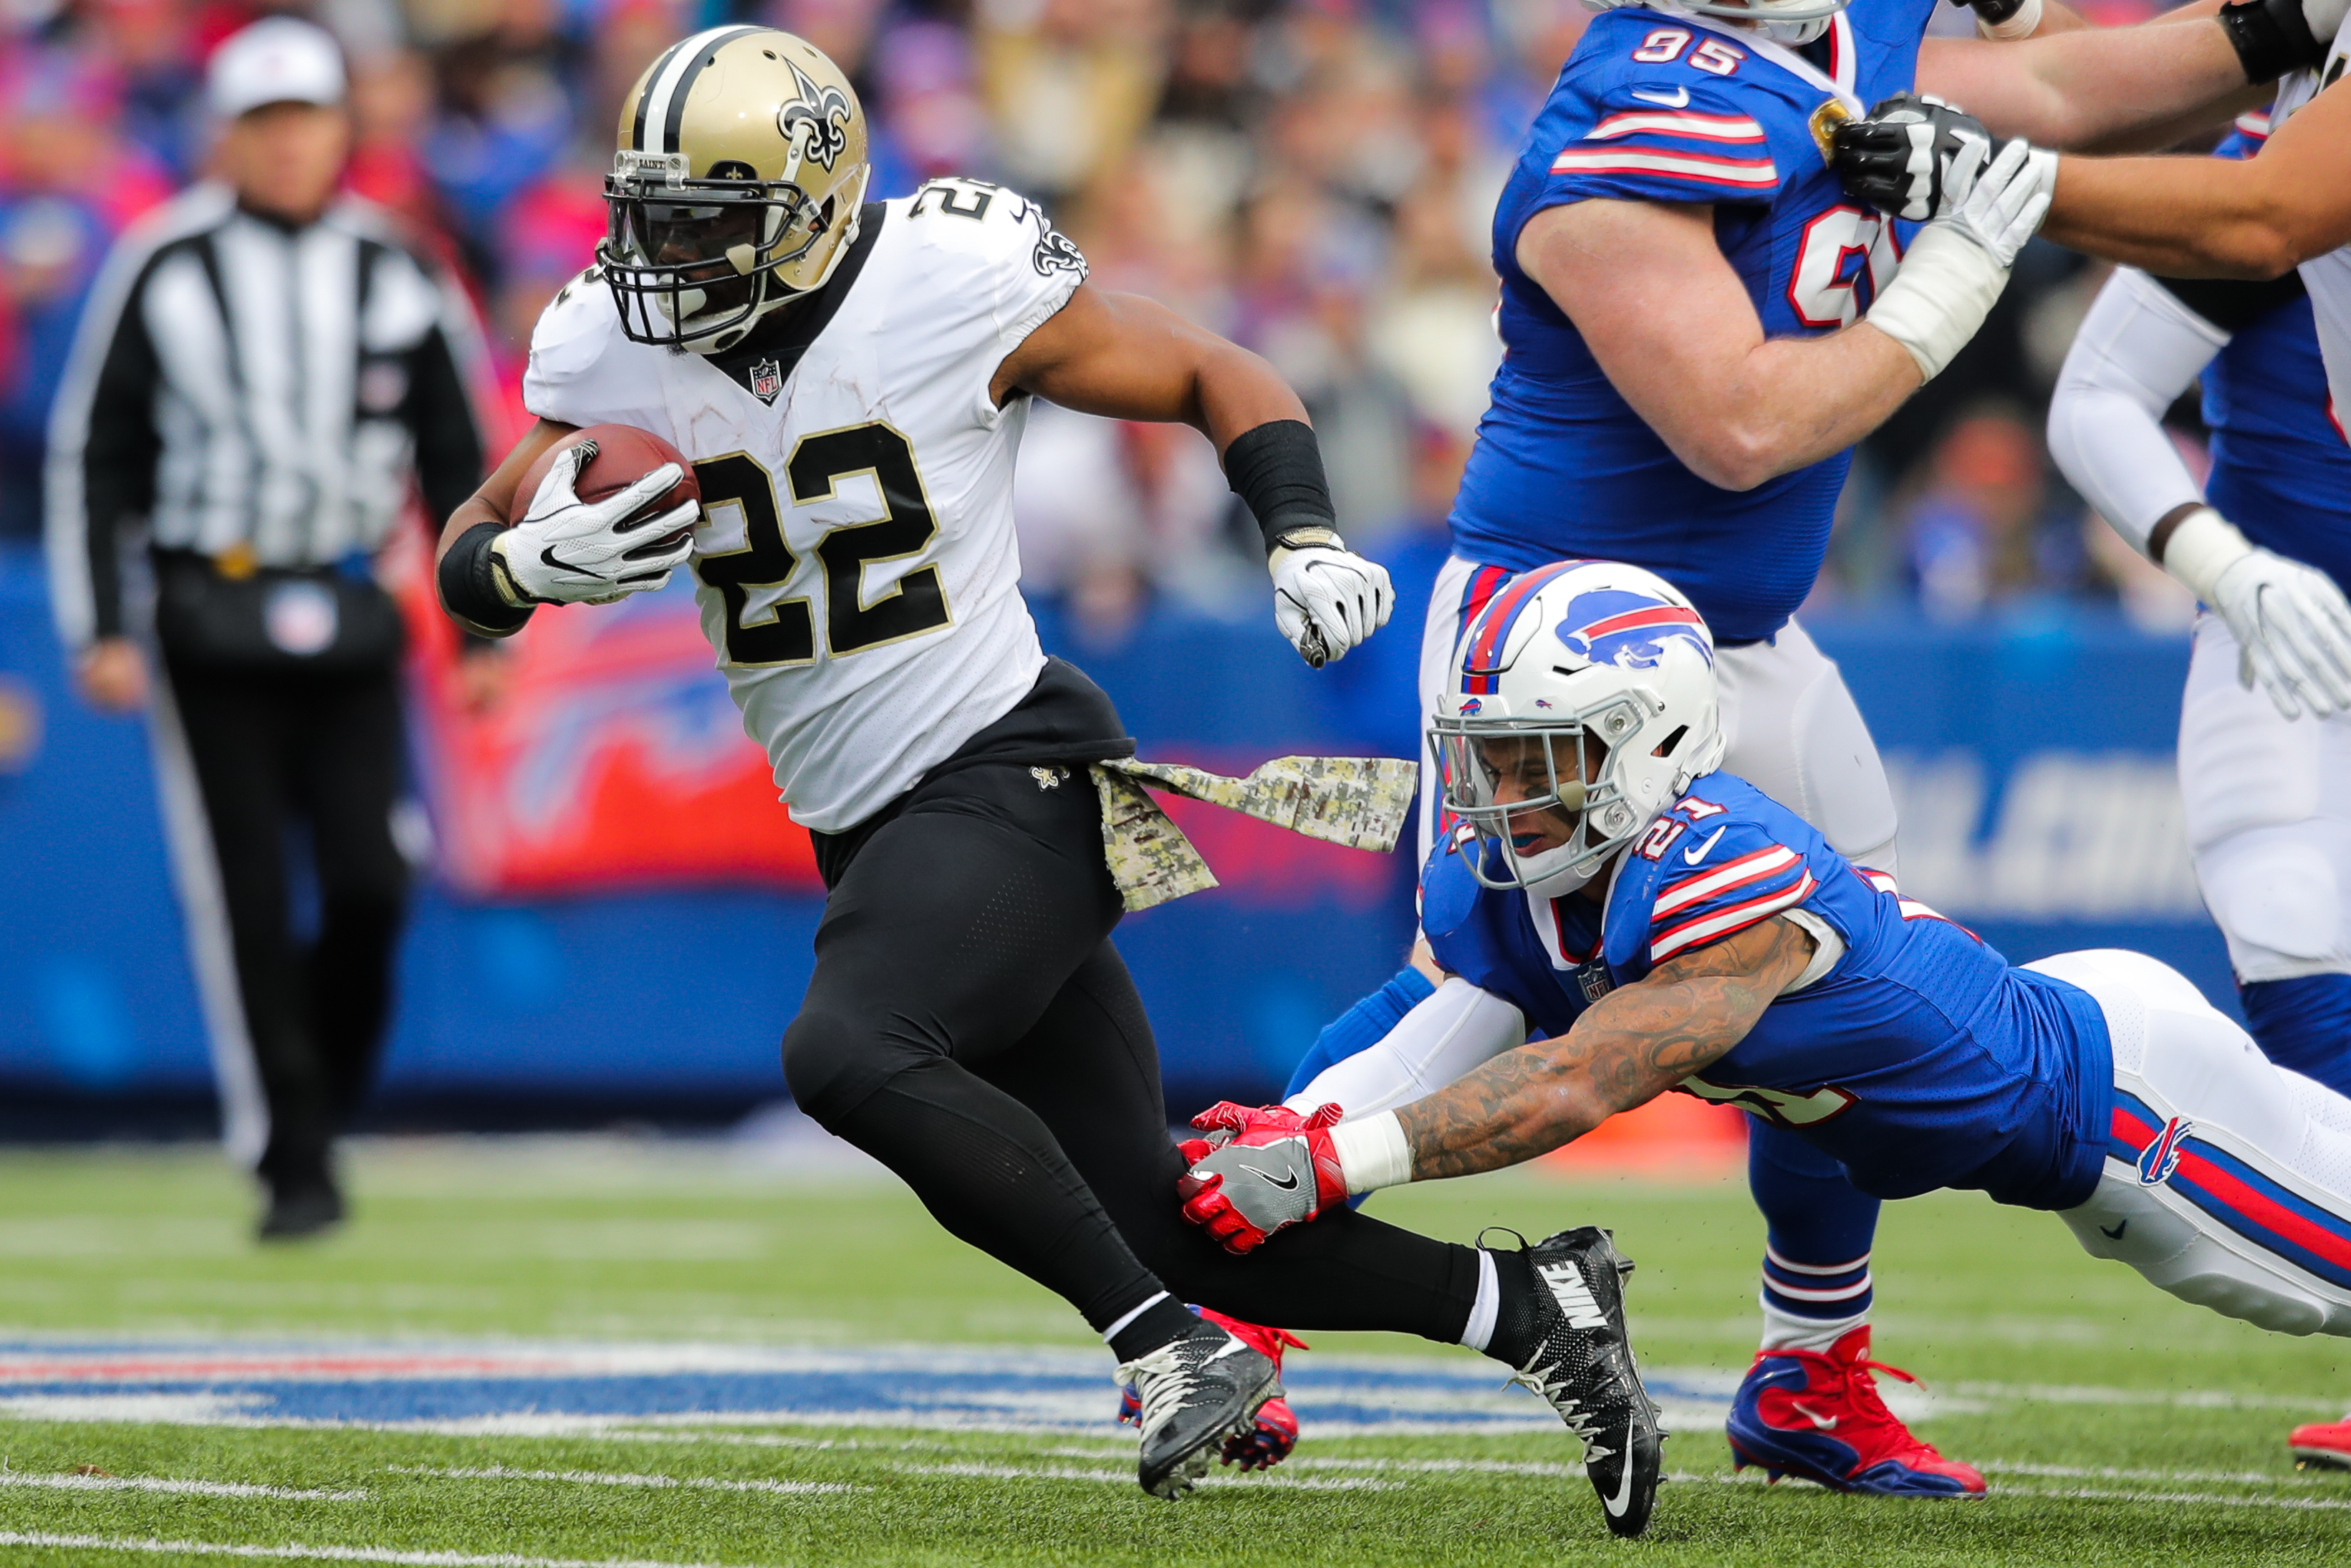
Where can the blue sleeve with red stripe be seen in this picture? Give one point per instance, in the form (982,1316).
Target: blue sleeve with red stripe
(1671,129)
(1713,881)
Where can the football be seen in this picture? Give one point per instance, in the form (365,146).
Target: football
(625,454)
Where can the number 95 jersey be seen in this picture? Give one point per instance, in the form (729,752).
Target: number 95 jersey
(855,562)
(1657,107)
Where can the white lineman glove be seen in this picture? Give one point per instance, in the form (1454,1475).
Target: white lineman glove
(2291,621)
(572,551)
(1326,598)
(1957,264)
(2002,204)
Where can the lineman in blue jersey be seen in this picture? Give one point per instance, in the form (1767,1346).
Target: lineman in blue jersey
(2268,795)
(1670,926)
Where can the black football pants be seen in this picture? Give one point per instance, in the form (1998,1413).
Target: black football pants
(970,1025)
(327,752)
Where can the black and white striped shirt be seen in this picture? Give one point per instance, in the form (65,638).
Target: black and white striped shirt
(248,387)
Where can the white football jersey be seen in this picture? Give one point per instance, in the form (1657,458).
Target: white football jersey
(855,560)
(2328,276)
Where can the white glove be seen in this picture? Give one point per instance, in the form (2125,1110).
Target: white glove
(1326,598)
(2325,19)
(2290,621)
(1957,264)
(2000,204)
(572,551)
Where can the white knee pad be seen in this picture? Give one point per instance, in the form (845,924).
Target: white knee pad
(2179,1252)
(2276,895)
(2268,809)
(1793,730)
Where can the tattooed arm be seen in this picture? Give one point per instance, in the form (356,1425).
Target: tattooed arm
(1634,1044)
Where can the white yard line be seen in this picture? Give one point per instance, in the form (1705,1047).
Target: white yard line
(2108,1473)
(164,1484)
(979,1471)
(2083,1494)
(620,1479)
(300,1553)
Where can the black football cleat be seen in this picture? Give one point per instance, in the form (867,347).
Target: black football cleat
(1196,1392)
(1567,1324)
(300,1211)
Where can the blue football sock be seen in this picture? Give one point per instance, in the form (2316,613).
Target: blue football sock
(1819,1228)
(2303,1024)
(1362,1026)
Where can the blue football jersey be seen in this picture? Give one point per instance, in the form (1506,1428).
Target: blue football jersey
(2280,467)
(1659,108)
(1920,1059)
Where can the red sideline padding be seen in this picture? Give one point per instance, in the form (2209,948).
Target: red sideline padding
(1677,1136)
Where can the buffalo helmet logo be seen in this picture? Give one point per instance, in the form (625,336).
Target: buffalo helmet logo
(2161,1157)
(824,109)
(1629,630)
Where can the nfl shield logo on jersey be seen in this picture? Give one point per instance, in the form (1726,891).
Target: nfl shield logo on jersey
(2161,1157)
(767,380)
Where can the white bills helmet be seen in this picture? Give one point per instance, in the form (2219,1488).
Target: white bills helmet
(1591,684)
(1792,22)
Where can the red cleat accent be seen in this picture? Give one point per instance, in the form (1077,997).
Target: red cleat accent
(1819,1417)
(1276,1432)
(2322,1446)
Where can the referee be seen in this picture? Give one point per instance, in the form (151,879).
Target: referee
(261,369)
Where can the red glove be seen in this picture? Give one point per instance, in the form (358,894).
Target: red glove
(1259,1171)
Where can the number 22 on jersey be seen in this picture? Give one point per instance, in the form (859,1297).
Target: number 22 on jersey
(783,630)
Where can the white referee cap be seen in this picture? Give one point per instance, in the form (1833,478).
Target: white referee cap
(276,60)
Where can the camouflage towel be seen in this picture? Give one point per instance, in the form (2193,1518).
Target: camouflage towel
(1359,801)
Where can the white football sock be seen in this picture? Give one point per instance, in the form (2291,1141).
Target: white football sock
(1110,1333)
(1480,1330)
(1785,1330)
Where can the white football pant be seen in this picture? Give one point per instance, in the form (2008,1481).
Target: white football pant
(2227,1179)
(2268,803)
(1789,725)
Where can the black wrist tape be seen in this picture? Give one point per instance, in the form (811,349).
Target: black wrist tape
(1993,12)
(2270,38)
(1277,471)
(468,591)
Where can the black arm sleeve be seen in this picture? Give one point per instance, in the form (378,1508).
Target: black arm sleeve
(2233,304)
(469,590)
(118,457)
(440,417)
(1277,471)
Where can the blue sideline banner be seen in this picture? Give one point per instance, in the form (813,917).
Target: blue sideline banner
(2032,763)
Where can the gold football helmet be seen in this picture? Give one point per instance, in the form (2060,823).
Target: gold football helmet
(736,189)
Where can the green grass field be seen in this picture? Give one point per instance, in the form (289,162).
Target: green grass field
(2119,1427)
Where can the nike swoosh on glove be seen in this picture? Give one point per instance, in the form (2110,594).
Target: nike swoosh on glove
(571,551)
(1327,598)
(1260,1170)
(2294,627)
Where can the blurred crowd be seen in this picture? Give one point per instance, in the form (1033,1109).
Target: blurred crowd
(1313,178)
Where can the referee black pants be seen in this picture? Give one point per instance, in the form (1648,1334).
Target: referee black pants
(970,1025)
(274,753)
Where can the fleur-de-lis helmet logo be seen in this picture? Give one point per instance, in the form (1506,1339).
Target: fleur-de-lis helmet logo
(824,109)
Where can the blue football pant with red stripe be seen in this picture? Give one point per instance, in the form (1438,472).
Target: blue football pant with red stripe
(2228,1178)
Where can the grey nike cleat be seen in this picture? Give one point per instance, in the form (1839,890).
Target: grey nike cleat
(1196,1392)
(1562,1325)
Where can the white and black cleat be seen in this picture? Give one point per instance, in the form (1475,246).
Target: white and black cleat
(1568,1328)
(1196,1392)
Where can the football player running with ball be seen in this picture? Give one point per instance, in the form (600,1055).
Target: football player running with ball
(1735,955)
(2264,774)
(849,381)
